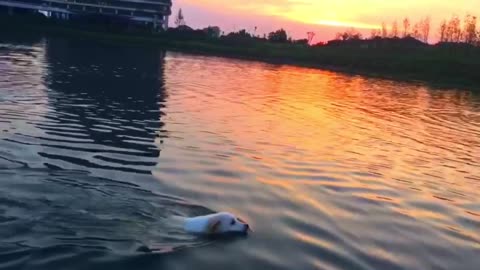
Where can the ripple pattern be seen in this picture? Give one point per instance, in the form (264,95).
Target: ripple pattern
(100,145)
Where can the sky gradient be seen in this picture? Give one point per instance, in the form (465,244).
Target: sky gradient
(323,17)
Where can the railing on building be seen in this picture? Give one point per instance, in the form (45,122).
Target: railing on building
(148,11)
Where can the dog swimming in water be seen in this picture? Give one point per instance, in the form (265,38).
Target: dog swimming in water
(209,225)
(213,224)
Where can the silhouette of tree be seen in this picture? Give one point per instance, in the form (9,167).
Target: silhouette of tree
(417,30)
(213,31)
(180,19)
(384,30)
(421,30)
(310,36)
(470,29)
(341,36)
(443,31)
(454,31)
(350,34)
(406,27)
(394,29)
(449,32)
(425,29)
(279,36)
(375,33)
(243,33)
(239,36)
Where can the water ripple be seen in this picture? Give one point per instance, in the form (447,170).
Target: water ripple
(332,171)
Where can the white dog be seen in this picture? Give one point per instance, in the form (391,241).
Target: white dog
(219,223)
(214,224)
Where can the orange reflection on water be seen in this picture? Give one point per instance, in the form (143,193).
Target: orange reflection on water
(312,132)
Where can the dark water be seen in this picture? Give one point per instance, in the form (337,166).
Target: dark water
(101,145)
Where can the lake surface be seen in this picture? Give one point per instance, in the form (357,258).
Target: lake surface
(101,145)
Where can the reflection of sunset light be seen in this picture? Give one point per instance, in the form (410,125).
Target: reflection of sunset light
(323,141)
(312,240)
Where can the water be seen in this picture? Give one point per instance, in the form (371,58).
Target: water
(101,145)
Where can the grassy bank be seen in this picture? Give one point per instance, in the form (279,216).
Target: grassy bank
(432,64)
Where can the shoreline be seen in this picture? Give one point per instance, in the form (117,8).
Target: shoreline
(437,67)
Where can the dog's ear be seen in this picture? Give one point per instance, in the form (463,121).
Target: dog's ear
(213,226)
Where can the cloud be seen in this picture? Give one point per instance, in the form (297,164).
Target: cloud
(323,16)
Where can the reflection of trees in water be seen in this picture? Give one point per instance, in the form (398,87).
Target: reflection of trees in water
(109,95)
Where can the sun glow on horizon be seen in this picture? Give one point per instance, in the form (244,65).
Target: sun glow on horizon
(323,17)
(337,15)
(359,25)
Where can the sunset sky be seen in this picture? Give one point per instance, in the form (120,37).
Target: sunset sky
(321,16)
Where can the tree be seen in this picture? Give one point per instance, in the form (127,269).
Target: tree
(394,29)
(470,29)
(450,31)
(458,30)
(350,34)
(213,31)
(443,31)
(310,36)
(240,35)
(279,36)
(243,33)
(406,27)
(180,19)
(425,29)
(421,30)
(384,30)
(454,31)
(376,33)
(416,31)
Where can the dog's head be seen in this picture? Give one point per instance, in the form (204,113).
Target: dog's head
(226,223)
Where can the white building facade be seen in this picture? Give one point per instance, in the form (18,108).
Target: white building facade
(151,12)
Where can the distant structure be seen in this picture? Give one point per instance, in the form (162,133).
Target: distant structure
(310,36)
(154,13)
(180,19)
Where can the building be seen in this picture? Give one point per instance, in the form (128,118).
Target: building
(154,13)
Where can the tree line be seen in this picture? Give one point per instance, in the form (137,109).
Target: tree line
(451,30)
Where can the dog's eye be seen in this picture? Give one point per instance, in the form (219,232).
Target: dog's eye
(233,222)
